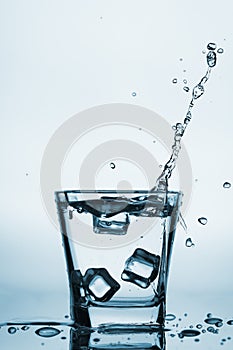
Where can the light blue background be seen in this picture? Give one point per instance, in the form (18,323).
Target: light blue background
(61,57)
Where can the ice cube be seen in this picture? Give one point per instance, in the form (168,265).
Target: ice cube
(141,268)
(118,226)
(99,284)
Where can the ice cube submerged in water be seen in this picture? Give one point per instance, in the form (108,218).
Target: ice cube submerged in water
(141,268)
(99,284)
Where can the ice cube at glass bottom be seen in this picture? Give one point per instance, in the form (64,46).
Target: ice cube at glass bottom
(99,284)
(141,268)
(116,225)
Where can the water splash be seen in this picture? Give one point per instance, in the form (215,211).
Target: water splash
(162,181)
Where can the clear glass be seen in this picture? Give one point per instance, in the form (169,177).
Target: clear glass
(118,246)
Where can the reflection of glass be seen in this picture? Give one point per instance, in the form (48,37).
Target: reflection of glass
(139,340)
(118,246)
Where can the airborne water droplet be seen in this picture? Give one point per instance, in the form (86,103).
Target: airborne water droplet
(199,326)
(211,59)
(112,165)
(47,332)
(174,81)
(189,243)
(227,185)
(12,330)
(25,328)
(203,221)
(211,46)
(134,94)
(220,50)
(185,81)
(186,88)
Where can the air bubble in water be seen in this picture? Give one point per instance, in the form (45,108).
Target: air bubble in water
(211,59)
(170,317)
(198,90)
(211,46)
(189,243)
(12,330)
(134,94)
(227,185)
(47,332)
(186,88)
(174,81)
(220,50)
(112,165)
(203,221)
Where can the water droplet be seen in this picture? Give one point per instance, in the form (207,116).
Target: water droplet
(189,333)
(186,88)
(191,326)
(42,344)
(227,185)
(229,338)
(213,320)
(211,46)
(204,51)
(160,165)
(203,221)
(174,81)
(199,326)
(134,94)
(220,50)
(47,332)
(26,174)
(210,329)
(185,81)
(189,243)
(197,340)
(185,315)
(170,317)
(12,330)
(203,331)
(112,165)
(66,316)
(211,59)
(25,328)
(209,315)
(181,59)
(198,90)
(223,339)
(230,322)
(172,335)
(219,324)
(63,338)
